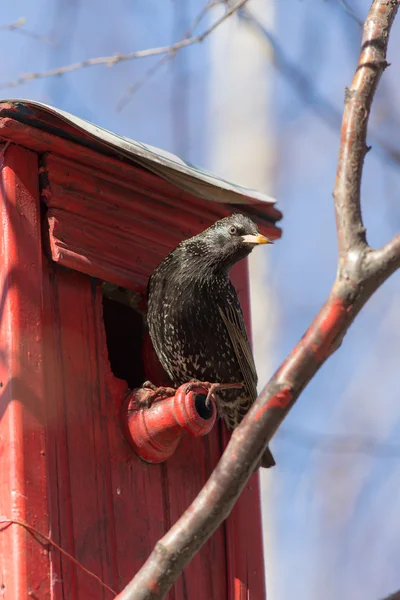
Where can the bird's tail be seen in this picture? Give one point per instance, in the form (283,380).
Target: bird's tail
(267,460)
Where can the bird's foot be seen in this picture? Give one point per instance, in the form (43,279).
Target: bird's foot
(152,393)
(212,387)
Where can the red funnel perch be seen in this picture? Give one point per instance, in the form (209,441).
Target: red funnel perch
(154,433)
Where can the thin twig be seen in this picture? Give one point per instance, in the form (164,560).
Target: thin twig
(13,26)
(17,27)
(6,522)
(350,11)
(132,89)
(361,271)
(111,61)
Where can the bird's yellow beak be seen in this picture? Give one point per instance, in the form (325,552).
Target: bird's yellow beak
(256,239)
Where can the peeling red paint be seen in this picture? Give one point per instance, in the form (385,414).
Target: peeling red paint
(331,322)
(282,399)
(329,327)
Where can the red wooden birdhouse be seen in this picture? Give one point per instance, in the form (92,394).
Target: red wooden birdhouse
(86,215)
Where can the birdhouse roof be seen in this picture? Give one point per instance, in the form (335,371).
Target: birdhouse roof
(165,164)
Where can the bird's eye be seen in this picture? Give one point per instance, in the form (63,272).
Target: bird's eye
(232,230)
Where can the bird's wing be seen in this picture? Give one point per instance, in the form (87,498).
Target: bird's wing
(232,316)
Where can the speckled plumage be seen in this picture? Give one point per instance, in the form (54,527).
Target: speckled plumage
(195,318)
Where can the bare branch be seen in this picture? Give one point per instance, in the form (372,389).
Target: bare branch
(387,259)
(351,12)
(6,522)
(17,25)
(13,26)
(353,148)
(359,275)
(164,59)
(111,61)
(135,87)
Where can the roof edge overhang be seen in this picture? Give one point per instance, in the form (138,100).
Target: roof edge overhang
(166,165)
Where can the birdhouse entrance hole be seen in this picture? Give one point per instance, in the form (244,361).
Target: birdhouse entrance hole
(205,410)
(124,327)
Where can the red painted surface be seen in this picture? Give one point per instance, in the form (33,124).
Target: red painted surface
(155,432)
(65,465)
(118,227)
(24,563)
(280,400)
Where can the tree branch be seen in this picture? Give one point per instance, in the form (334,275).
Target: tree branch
(361,271)
(351,12)
(17,25)
(387,259)
(132,89)
(111,61)
(353,148)
(13,26)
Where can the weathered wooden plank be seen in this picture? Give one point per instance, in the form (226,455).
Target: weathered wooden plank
(118,229)
(24,561)
(108,506)
(136,488)
(79,432)
(63,571)
(186,473)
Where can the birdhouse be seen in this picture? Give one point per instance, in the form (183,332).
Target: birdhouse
(86,216)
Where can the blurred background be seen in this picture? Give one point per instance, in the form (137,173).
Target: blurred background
(259,101)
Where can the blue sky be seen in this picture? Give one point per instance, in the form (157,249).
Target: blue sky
(335,523)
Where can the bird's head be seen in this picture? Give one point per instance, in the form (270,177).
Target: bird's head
(226,242)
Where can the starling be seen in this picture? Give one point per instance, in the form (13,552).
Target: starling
(195,319)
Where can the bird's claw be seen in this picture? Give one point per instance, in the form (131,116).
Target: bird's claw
(211,387)
(151,393)
(193,384)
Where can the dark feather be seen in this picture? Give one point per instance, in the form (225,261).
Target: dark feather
(232,317)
